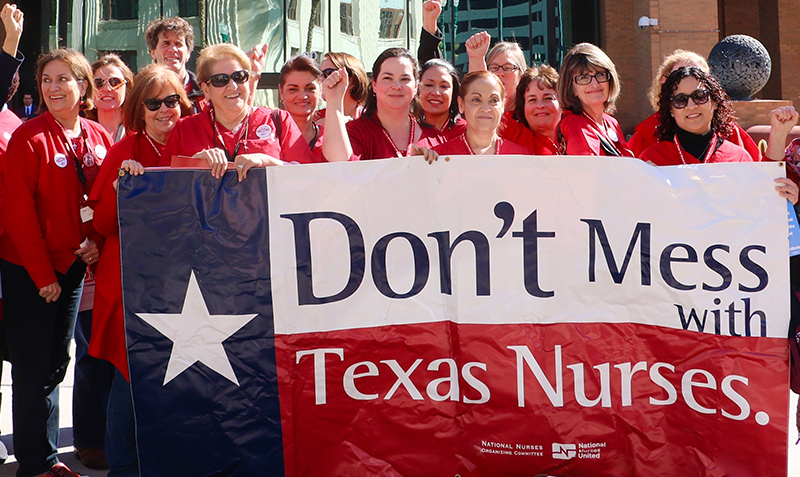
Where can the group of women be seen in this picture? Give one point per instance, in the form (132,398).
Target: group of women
(60,207)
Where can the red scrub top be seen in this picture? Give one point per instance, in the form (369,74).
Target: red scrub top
(582,135)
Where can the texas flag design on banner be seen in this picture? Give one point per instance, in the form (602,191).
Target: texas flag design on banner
(480,316)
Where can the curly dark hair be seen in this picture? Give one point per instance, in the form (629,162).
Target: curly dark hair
(723,121)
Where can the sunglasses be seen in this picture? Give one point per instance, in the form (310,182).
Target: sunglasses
(506,68)
(113,83)
(154,104)
(699,96)
(221,79)
(585,79)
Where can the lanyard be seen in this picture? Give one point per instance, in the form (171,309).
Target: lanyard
(608,135)
(710,150)
(152,144)
(245,125)
(73,153)
(397,151)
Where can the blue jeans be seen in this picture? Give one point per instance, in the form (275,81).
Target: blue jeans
(121,454)
(92,385)
(39,334)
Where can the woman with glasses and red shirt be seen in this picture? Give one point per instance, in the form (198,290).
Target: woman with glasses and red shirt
(229,130)
(695,116)
(588,87)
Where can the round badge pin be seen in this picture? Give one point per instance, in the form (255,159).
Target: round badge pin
(101,151)
(60,160)
(88,159)
(613,135)
(263,131)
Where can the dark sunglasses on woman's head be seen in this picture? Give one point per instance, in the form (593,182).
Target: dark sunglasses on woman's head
(699,96)
(113,83)
(585,79)
(221,79)
(154,104)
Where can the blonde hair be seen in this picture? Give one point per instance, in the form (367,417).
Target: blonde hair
(211,54)
(581,59)
(677,56)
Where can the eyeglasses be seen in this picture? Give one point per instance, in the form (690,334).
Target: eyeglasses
(327,72)
(221,79)
(506,68)
(154,104)
(699,96)
(585,79)
(113,83)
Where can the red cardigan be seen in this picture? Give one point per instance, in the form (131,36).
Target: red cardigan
(665,153)
(196,133)
(108,326)
(518,133)
(41,209)
(582,138)
(644,137)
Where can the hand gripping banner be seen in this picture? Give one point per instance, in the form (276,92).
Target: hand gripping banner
(480,316)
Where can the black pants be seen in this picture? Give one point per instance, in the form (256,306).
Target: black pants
(39,334)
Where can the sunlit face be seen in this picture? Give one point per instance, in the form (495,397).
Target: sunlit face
(482,105)
(594,94)
(542,110)
(300,93)
(108,98)
(694,118)
(436,91)
(510,79)
(60,89)
(395,85)
(158,124)
(231,98)
(171,51)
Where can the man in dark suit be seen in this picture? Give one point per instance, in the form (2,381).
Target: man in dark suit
(28,110)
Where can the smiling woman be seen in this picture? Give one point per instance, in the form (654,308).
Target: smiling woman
(112,79)
(299,89)
(229,130)
(49,239)
(588,87)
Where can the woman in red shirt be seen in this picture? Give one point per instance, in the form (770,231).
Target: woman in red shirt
(438,98)
(387,128)
(157,101)
(537,113)
(228,130)
(588,87)
(299,90)
(48,240)
(481,101)
(645,134)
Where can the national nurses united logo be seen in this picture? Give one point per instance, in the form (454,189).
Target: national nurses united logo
(564,451)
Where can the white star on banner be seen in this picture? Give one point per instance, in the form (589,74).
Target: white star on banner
(196,335)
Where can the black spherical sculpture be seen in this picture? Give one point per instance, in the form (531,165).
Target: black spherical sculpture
(741,64)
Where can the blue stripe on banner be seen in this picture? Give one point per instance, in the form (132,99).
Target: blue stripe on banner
(198,314)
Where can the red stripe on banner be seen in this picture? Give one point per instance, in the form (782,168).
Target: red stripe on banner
(577,399)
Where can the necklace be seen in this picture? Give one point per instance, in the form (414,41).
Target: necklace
(243,127)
